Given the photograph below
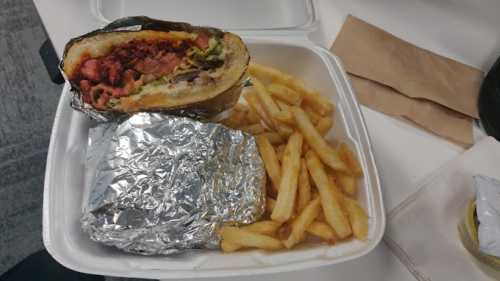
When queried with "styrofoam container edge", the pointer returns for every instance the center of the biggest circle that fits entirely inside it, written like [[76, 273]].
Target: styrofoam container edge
[[64, 185]]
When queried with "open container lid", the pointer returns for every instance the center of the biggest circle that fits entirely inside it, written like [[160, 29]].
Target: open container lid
[[240, 16]]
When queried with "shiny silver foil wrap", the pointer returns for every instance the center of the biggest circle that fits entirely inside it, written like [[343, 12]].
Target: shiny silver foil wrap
[[161, 184], [94, 114], [113, 116]]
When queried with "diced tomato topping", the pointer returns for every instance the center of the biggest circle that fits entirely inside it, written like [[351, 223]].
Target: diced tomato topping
[[168, 62], [85, 86], [112, 69], [110, 91], [90, 70], [86, 98], [147, 65], [118, 92], [130, 75], [201, 41], [103, 100]]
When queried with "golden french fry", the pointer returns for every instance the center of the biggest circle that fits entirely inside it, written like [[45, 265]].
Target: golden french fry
[[350, 159], [314, 194], [313, 116], [270, 203], [333, 144], [322, 230], [301, 223], [336, 191], [328, 155], [324, 125], [284, 130], [313, 99], [330, 201], [263, 227], [357, 217], [248, 239], [283, 105], [273, 137], [270, 159], [228, 247], [240, 107], [305, 148], [284, 231], [252, 100], [279, 152], [284, 93], [321, 217], [267, 72], [286, 117], [298, 86], [265, 99], [236, 119], [304, 192], [348, 183], [253, 129], [320, 104], [252, 116], [275, 75], [270, 190], [289, 179]]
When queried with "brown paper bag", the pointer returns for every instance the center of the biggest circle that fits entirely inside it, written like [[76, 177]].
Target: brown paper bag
[[440, 120], [372, 53]]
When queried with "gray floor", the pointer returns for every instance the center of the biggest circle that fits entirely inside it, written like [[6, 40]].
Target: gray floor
[[28, 101]]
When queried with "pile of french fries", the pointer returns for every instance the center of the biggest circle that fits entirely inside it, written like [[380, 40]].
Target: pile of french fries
[[312, 182]]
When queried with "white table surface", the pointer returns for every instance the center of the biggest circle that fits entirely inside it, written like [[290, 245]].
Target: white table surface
[[466, 30]]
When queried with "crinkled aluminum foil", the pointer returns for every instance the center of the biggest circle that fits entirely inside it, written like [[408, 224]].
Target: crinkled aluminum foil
[[163, 184], [113, 116], [95, 114]]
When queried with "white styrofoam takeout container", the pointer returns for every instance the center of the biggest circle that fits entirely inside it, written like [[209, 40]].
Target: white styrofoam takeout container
[[284, 45]]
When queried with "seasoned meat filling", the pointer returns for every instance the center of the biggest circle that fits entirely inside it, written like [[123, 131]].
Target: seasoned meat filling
[[129, 66]]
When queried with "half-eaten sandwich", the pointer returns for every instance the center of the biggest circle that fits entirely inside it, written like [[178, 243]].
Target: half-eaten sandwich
[[163, 66]]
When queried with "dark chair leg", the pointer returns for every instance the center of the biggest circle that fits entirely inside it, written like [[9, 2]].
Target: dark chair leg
[[51, 61]]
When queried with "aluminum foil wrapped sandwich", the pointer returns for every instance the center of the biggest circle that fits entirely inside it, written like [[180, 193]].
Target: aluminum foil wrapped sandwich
[[162, 184], [140, 64]]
